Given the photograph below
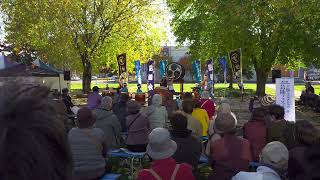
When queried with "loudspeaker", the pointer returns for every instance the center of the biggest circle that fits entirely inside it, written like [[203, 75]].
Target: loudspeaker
[[275, 74], [66, 75]]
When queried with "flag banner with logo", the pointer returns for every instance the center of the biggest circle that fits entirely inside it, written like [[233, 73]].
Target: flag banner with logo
[[196, 66], [138, 71], [223, 64], [210, 69], [122, 66], [163, 65], [144, 69], [235, 58], [150, 75]]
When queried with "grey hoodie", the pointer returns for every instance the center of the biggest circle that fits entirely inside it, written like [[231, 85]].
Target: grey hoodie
[[156, 113]]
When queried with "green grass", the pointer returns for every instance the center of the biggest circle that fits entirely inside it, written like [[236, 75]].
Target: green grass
[[219, 88], [301, 88]]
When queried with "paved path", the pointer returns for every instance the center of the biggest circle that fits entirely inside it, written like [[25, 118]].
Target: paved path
[[296, 93]]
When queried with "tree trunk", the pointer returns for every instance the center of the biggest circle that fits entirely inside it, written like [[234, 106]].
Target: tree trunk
[[86, 78], [262, 77]]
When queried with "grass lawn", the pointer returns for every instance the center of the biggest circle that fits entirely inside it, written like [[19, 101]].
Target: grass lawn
[[220, 88], [301, 88]]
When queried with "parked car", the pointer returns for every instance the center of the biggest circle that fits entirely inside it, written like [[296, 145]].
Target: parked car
[[75, 78], [94, 78]]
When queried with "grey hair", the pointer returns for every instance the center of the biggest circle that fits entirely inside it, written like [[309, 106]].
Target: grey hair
[[205, 95], [106, 102]]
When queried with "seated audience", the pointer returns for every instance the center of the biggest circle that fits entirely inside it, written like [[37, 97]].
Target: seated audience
[[189, 147], [94, 98], [307, 95], [256, 132], [120, 109], [138, 128], [160, 149], [33, 141], [156, 113], [108, 122], [274, 161], [280, 129], [67, 100], [230, 154], [207, 104], [312, 158], [88, 147], [193, 124], [202, 116], [305, 135]]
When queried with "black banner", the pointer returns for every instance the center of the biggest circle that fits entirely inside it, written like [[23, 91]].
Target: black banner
[[235, 57], [122, 65]]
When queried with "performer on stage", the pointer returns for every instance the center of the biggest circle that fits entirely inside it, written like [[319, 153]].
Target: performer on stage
[[124, 88], [139, 88], [206, 87]]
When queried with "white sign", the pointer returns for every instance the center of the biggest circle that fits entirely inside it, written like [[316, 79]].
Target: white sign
[[285, 97]]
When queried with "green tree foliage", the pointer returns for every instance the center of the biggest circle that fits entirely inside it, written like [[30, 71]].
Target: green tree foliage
[[84, 33], [268, 31]]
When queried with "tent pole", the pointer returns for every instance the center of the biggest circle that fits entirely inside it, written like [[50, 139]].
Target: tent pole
[[60, 84]]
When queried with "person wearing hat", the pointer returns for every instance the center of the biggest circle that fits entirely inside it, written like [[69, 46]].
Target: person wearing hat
[[229, 154], [207, 104], [161, 148], [120, 110], [189, 147], [88, 147], [273, 163], [108, 122], [138, 128], [94, 98], [255, 130], [263, 102], [280, 129]]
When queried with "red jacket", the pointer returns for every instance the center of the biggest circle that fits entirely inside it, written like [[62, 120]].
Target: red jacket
[[256, 133], [228, 156], [164, 168], [209, 106]]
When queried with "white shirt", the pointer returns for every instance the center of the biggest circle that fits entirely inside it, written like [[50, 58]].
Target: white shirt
[[263, 173]]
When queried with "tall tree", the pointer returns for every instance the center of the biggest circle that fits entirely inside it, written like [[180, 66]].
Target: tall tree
[[268, 31], [80, 29]]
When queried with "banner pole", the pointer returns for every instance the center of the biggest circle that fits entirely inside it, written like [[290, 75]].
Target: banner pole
[[241, 77]]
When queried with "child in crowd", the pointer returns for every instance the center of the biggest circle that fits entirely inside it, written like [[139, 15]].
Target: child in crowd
[[306, 135], [230, 154], [161, 148], [138, 128], [88, 147], [33, 139], [256, 132], [193, 124], [156, 113], [189, 147]]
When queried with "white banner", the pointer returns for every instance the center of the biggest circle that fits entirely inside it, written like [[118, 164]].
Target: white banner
[[285, 97]]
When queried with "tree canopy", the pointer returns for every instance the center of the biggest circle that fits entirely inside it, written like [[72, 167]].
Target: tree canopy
[[85, 33], [268, 31]]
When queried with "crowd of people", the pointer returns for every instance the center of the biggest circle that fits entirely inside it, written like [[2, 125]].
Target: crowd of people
[[36, 144]]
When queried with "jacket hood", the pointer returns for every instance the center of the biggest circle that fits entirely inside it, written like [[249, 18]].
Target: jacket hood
[[157, 100]]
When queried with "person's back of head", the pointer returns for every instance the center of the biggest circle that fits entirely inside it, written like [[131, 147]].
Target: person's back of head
[[133, 107], [306, 134], [65, 91], [276, 111], [225, 124], [187, 95], [33, 143], [124, 98], [205, 95], [179, 121], [224, 108], [187, 106], [196, 103], [85, 118], [106, 103], [95, 89], [258, 114], [157, 100]]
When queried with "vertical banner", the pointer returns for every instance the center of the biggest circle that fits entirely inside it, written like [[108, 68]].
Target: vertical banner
[[285, 97], [235, 58], [210, 69], [144, 69], [122, 65], [138, 71], [223, 64], [196, 66], [150, 75], [163, 65]]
